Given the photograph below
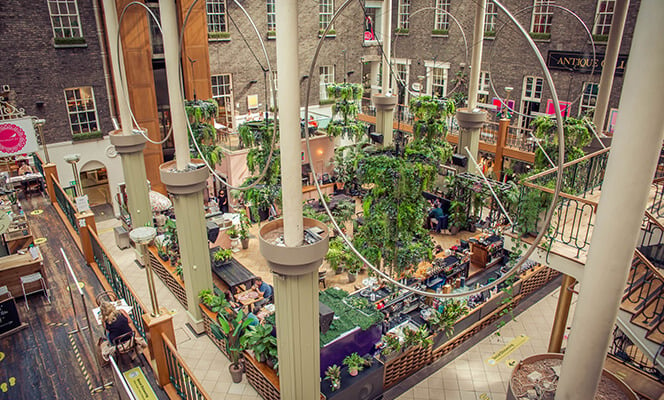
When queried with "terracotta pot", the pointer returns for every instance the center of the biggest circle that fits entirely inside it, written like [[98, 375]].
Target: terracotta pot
[[353, 372], [236, 373], [245, 243]]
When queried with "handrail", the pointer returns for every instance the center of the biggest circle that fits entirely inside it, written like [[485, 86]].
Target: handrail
[[654, 221], [65, 204], [567, 164], [118, 282], [183, 379], [562, 194], [648, 264]]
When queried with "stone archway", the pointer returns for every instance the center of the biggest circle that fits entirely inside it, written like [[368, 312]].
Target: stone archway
[[94, 181]]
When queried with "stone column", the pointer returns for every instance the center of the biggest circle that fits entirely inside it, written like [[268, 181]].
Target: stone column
[[625, 190], [471, 119], [385, 116], [187, 188], [130, 147], [385, 101], [610, 60]]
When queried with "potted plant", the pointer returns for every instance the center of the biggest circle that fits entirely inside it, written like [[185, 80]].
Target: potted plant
[[419, 337], [355, 363], [333, 374], [222, 256], [213, 302], [392, 345], [444, 321], [458, 218], [230, 330], [259, 339], [353, 265], [335, 255], [243, 229]]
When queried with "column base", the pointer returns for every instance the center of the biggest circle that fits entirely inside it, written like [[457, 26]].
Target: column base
[[196, 324]]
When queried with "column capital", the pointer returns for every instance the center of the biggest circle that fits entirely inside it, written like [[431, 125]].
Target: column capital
[[292, 261], [384, 102], [470, 119], [186, 181], [125, 144]]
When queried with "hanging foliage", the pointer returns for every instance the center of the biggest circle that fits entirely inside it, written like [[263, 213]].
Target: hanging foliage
[[428, 112], [201, 114], [345, 110]]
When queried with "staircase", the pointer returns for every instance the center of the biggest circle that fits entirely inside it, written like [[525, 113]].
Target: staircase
[[640, 317]]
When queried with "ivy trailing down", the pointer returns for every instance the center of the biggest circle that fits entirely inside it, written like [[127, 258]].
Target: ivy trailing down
[[346, 97], [201, 113]]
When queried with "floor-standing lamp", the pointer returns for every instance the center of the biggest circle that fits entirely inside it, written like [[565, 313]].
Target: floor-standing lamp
[[142, 236], [73, 159]]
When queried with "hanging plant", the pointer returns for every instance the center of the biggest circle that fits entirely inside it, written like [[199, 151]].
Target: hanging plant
[[201, 114], [345, 110]]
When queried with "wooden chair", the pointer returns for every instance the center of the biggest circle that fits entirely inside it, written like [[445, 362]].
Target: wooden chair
[[105, 296], [321, 278], [125, 345]]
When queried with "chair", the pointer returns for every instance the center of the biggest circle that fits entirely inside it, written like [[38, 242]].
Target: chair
[[321, 278], [5, 292], [108, 296], [32, 278], [125, 344]]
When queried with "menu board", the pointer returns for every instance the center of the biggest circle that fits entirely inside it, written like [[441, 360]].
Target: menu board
[[9, 318]]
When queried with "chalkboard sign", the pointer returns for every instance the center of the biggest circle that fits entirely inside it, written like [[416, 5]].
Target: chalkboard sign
[[9, 318]]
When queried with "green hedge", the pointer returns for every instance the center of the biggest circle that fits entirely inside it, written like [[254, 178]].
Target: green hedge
[[219, 35], [351, 313], [440, 32], [87, 136], [540, 36], [66, 41]]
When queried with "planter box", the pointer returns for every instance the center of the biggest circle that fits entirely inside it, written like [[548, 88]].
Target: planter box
[[167, 274], [405, 365]]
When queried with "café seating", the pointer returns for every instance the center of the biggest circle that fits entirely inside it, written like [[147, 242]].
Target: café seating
[[5, 292], [32, 278], [125, 344], [106, 296], [321, 278]]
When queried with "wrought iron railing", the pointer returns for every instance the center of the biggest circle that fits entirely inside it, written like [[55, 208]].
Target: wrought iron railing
[[39, 164], [118, 282], [65, 205], [183, 380], [520, 139], [656, 206], [623, 349], [644, 288]]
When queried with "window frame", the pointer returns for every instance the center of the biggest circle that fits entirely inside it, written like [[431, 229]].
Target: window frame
[[586, 98], [484, 87], [602, 28], [271, 12], [403, 19], [397, 63], [60, 16], [431, 67], [85, 111], [325, 12], [441, 20], [542, 17], [490, 17], [323, 81], [221, 24]]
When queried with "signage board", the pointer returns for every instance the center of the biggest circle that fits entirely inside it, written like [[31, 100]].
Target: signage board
[[9, 318], [576, 61], [17, 136]]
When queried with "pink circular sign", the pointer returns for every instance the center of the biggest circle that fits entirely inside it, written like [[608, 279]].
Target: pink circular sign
[[12, 138]]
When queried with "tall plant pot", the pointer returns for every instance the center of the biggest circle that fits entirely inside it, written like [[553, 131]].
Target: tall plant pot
[[245, 243], [351, 277], [236, 372]]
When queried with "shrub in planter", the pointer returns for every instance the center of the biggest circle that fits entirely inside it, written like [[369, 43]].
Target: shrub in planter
[[355, 363], [213, 302], [222, 256], [458, 217], [444, 321], [231, 328], [259, 339], [333, 374]]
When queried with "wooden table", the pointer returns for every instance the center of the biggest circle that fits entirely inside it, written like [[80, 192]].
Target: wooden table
[[247, 299], [119, 304], [234, 274], [13, 267]]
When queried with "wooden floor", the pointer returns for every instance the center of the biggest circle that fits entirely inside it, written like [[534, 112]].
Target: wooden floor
[[45, 361]]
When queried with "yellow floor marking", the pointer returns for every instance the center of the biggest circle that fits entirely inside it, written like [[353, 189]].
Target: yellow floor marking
[[36, 212], [139, 384], [2, 356], [40, 240], [507, 350], [484, 396], [511, 363]]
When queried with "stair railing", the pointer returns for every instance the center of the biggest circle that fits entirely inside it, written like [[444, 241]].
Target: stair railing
[[646, 287]]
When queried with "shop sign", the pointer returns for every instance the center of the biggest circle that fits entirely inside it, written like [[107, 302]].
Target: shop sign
[[584, 63], [17, 136]]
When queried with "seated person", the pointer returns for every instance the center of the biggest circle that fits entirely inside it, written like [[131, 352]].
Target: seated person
[[25, 168], [437, 217], [116, 324], [265, 290]]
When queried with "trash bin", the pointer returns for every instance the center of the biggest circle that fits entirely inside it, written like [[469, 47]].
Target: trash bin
[[121, 237]]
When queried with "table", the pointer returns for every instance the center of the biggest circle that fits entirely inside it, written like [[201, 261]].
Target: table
[[13, 267], [249, 297], [20, 179], [120, 304], [234, 274]]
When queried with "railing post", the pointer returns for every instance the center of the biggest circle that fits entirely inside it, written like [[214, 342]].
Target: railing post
[[86, 223], [51, 169], [154, 328], [503, 126]]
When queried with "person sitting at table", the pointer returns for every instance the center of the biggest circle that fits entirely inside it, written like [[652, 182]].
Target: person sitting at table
[[265, 290], [436, 217], [25, 168], [116, 324]]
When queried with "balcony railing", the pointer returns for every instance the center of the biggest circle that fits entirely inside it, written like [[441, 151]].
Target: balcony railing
[[66, 205], [118, 282], [183, 380]]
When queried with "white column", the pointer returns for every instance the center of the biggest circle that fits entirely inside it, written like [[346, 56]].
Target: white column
[[117, 64], [169, 24], [387, 44], [610, 60], [631, 165], [476, 59]]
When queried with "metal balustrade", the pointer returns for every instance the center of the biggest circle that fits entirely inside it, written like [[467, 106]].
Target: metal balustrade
[[39, 164], [118, 282], [183, 380], [644, 290], [65, 205], [624, 349]]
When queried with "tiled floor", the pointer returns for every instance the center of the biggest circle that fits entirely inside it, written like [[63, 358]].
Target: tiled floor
[[467, 377]]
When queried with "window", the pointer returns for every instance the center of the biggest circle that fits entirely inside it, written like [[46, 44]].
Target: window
[[156, 39], [325, 13], [372, 22], [216, 16], [442, 19], [484, 87], [436, 78], [64, 19], [326, 73], [603, 17], [82, 109], [401, 70], [273, 96], [404, 15], [222, 91], [588, 98], [271, 16], [531, 97], [490, 18], [542, 13]]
